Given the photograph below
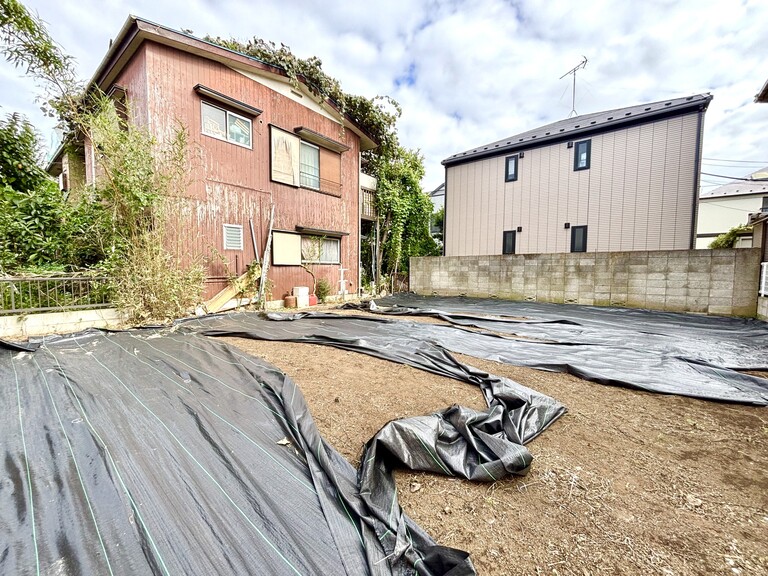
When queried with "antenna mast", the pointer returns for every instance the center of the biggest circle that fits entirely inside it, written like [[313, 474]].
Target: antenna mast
[[582, 64]]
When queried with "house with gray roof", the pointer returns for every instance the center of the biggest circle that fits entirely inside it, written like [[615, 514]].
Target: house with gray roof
[[731, 205], [617, 180]]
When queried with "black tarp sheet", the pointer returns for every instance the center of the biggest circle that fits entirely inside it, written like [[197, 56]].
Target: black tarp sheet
[[165, 452], [684, 354]]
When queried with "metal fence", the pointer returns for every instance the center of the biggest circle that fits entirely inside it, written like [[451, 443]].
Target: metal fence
[[763, 290], [20, 294]]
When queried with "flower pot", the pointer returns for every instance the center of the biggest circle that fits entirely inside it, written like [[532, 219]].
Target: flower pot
[[289, 301]]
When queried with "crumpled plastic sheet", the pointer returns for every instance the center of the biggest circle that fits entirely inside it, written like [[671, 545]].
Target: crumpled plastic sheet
[[684, 354], [165, 452]]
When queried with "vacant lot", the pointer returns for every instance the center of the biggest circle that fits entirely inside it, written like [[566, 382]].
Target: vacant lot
[[626, 482]]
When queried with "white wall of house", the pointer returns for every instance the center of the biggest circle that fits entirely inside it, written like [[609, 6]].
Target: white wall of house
[[639, 193], [720, 214]]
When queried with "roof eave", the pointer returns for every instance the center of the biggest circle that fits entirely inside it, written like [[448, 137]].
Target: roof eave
[[700, 106], [136, 30], [762, 96]]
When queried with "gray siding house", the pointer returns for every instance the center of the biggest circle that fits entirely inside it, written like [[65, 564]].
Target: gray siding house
[[619, 180]]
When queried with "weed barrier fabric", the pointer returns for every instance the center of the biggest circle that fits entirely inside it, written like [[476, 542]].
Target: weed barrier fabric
[[19, 346], [672, 353], [165, 452]]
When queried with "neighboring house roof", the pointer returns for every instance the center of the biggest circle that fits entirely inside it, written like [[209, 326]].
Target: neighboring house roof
[[753, 183], [136, 30], [582, 126], [439, 191], [762, 96]]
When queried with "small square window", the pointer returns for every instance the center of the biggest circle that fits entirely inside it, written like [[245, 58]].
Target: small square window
[[578, 238], [510, 173], [225, 125], [233, 237], [238, 129], [509, 242], [581, 155]]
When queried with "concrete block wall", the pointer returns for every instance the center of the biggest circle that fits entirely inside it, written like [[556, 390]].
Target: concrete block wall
[[22, 326], [762, 308], [708, 281]]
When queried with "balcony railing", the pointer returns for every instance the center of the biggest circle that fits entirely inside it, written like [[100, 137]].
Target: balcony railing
[[368, 204], [314, 182], [23, 294]]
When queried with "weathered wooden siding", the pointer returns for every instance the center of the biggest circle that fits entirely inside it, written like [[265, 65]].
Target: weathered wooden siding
[[638, 194], [231, 184]]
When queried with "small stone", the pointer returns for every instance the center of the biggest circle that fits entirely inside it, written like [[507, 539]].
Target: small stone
[[693, 501], [415, 486], [336, 400]]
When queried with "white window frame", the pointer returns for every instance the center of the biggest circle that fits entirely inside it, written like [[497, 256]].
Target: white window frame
[[319, 176], [237, 227], [322, 239], [227, 114]]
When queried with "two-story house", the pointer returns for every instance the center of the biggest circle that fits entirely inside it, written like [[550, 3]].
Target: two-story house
[[258, 141], [618, 180]]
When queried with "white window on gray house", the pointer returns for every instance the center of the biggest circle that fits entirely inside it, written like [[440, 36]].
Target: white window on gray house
[[581, 155], [320, 250], [578, 238], [233, 237], [511, 169], [309, 166], [508, 242], [225, 125]]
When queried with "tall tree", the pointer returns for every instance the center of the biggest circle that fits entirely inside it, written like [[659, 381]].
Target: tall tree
[[25, 42]]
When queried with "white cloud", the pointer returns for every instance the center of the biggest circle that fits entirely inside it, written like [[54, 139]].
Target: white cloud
[[481, 70]]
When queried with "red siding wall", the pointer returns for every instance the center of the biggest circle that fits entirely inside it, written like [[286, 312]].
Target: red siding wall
[[230, 183]]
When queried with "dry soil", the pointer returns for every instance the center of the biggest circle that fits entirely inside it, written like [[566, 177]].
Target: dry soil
[[626, 482]]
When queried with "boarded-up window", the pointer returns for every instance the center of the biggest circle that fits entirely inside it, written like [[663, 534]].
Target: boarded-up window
[[233, 237], [286, 249], [285, 156], [330, 171]]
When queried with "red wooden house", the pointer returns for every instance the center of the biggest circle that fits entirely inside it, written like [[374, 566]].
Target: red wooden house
[[258, 140]]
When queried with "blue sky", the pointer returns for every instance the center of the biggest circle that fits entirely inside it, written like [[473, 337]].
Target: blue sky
[[468, 72]]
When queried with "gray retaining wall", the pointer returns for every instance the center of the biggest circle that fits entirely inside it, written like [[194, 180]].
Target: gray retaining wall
[[762, 308], [709, 281]]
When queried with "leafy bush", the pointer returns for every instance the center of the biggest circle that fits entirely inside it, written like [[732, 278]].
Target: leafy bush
[[323, 289], [728, 239], [38, 226], [150, 285]]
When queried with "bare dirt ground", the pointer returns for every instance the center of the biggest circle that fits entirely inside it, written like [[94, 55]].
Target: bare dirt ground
[[626, 482]]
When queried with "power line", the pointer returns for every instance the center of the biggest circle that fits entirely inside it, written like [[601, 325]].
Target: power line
[[732, 178], [739, 161], [729, 165], [745, 210]]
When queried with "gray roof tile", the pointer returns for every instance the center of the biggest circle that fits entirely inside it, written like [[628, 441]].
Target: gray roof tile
[[572, 127], [740, 187]]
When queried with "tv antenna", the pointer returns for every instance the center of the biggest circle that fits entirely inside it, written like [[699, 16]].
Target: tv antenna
[[582, 64]]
